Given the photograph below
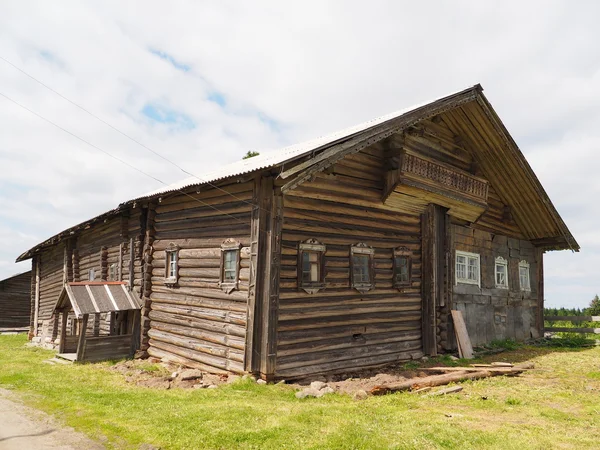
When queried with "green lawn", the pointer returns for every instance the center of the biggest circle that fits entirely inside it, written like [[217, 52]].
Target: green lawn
[[555, 407]]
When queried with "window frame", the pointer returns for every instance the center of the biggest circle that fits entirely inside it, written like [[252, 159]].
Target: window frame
[[230, 245], [311, 246], [467, 255], [112, 272], [500, 261], [362, 249], [398, 253], [170, 251], [525, 265]]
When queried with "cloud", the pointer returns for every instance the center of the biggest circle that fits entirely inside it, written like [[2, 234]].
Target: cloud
[[260, 75]]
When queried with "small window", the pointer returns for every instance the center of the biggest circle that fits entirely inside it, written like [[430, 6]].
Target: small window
[[112, 272], [524, 279], [467, 268], [230, 265], [171, 264], [361, 265], [402, 267], [501, 273], [92, 275], [311, 270]]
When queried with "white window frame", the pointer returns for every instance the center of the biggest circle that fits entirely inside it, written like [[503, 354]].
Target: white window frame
[[171, 265], [525, 265], [466, 280], [500, 261]]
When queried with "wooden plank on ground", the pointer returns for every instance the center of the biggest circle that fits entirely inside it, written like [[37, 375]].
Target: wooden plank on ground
[[462, 336]]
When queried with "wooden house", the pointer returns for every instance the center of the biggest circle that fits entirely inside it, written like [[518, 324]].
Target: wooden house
[[345, 252], [15, 307]]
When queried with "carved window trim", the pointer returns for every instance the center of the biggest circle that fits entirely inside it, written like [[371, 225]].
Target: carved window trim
[[362, 250], [230, 246], [402, 253], [524, 276], [311, 246], [502, 263], [171, 265], [462, 277]]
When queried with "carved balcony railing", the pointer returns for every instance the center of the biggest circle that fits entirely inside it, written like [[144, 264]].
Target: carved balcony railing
[[447, 178], [421, 181]]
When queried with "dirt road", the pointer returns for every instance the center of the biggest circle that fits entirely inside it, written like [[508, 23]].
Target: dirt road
[[24, 428]]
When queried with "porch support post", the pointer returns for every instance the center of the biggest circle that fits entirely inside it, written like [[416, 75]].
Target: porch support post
[[82, 331]]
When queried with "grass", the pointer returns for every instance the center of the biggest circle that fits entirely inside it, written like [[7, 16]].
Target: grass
[[554, 407]]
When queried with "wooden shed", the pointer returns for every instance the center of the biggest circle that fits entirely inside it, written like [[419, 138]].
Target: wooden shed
[[344, 252], [80, 340], [15, 302]]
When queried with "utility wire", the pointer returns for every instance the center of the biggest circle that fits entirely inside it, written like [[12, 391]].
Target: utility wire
[[115, 157], [137, 142], [122, 161]]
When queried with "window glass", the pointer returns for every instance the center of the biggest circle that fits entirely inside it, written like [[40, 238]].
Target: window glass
[[310, 266], [402, 268], [524, 276], [230, 259], [360, 269], [467, 268], [172, 264], [91, 275]]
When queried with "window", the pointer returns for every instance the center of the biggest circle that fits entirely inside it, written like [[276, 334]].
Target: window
[[171, 264], [311, 267], [467, 268], [402, 267], [524, 280], [501, 273], [361, 267], [230, 265], [92, 275], [112, 272]]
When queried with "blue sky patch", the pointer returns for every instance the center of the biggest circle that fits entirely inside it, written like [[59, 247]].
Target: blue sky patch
[[218, 98], [168, 116], [165, 56]]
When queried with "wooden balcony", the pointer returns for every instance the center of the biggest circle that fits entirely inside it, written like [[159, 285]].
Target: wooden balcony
[[422, 181]]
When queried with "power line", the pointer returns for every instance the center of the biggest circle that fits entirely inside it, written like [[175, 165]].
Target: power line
[[136, 141], [115, 157], [122, 161]]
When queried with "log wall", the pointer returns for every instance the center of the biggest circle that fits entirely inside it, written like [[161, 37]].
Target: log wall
[[491, 313], [15, 301], [194, 322], [118, 241], [340, 329]]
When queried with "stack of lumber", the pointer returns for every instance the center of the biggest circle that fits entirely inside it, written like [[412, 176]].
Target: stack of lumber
[[455, 375]]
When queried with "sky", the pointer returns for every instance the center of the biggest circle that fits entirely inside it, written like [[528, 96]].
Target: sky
[[204, 82]]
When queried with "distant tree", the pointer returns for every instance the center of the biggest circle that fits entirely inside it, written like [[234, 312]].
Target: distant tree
[[251, 154], [594, 309]]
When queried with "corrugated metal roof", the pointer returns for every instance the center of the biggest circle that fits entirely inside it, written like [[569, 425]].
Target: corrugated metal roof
[[96, 297], [274, 158]]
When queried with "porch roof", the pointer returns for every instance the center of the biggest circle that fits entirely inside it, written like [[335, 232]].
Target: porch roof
[[93, 297]]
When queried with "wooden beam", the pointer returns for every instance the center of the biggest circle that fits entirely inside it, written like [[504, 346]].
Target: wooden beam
[[433, 232], [81, 341], [63, 330]]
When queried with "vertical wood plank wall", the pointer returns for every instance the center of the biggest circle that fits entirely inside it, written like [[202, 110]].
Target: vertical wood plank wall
[[15, 301], [339, 328], [195, 322]]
